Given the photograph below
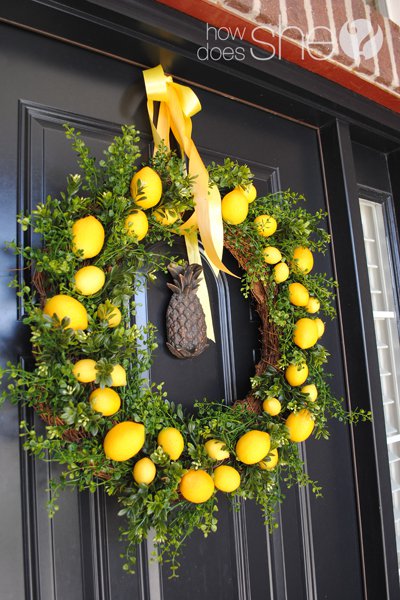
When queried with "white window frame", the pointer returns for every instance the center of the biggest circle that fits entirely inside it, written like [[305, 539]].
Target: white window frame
[[381, 253], [390, 8]]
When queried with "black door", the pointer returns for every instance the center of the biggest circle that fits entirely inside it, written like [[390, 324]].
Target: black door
[[315, 553]]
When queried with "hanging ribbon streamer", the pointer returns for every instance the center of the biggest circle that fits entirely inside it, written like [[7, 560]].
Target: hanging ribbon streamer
[[178, 103]]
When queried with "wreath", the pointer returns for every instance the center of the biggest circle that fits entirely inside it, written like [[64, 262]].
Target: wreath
[[105, 423]]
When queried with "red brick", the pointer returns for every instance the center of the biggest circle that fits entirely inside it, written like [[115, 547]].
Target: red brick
[[385, 66], [340, 16], [243, 6], [396, 45], [359, 11], [320, 14], [322, 28], [269, 13], [219, 15], [366, 66], [297, 25]]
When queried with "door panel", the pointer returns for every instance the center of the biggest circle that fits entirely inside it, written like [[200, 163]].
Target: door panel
[[77, 554]]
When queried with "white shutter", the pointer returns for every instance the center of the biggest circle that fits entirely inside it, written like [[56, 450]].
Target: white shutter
[[381, 279]]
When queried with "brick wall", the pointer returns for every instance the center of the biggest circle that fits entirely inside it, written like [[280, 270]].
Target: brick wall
[[307, 32]]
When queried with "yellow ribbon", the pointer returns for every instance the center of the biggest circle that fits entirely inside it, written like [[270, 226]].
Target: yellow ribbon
[[178, 104]]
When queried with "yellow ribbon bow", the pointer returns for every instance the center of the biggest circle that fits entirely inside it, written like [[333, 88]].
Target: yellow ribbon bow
[[178, 103]]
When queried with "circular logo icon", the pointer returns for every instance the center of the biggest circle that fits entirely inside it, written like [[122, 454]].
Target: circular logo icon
[[358, 39]]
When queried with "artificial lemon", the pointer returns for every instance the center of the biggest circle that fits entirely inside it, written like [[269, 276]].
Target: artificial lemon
[[272, 255], [313, 305], [105, 401], [171, 441], [270, 464], [124, 440], [196, 486], [63, 307], [146, 188], [249, 192], [272, 406], [216, 450], [166, 216], [298, 294], [226, 479], [266, 225], [303, 259], [85, 370], [281, 272], [300, 425], [253, 446], [311, 391], [110, 313], [320, 327], [118, 376], [87, 237], [305, 333], [296, 374], [137, 224], [89, 280], [144, 471], [234, 207]]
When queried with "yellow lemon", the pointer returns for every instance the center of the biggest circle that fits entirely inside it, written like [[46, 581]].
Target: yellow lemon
[[105, 401], [312, 305], [305, 333], [196, 486], [124, 440], [115, 317], [88, 236], [320, 327], [85, 370], [311, 391], [272, 406], [249, 192], [266, 225], [272, 255], [171, 441], [303, 259], [234, 207], [296, 374], [166, 216], [298, 294], [64, 306], [253, 446], [146, 188], [226, 479], [215, 450], [89, 280], [300, 425], [118, 376], [268, 465], [137, 224], [281, 272], [144, 471], [109, 313]]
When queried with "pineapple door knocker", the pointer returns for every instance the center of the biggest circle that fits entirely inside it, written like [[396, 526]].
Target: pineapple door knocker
[[186, 323]]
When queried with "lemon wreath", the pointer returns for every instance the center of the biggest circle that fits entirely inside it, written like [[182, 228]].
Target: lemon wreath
[[104, 422]]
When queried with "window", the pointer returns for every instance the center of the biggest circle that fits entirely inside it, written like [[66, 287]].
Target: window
[[380, 258], [388, 8]]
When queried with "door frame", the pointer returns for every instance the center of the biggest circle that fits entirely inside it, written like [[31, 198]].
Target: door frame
[[340, 118]]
